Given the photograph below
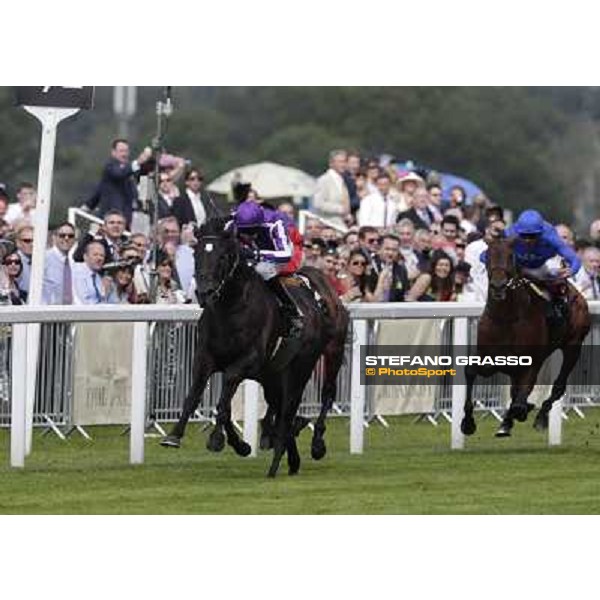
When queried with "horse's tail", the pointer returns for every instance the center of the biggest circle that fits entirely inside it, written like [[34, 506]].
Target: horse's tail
[[337, 319]]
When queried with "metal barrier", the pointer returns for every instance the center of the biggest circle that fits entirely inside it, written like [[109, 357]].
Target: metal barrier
[[54, 391], [170, 356]]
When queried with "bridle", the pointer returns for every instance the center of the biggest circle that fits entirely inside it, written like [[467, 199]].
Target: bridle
[[513, 282], [217, 293]]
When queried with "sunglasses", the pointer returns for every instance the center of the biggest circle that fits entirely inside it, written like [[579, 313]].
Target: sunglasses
[[195, 178], [359, 263], [66, 236], [372, 241], [13, 262], [27, 240]]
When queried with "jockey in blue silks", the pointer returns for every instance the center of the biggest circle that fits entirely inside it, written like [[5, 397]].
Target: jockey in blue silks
[[266, 239], [536, 242]]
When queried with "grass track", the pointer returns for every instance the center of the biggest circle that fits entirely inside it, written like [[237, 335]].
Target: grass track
[[407, 469]]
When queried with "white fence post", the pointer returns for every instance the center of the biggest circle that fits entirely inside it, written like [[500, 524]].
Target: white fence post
[[555, 424], [138, 392], [460, 337], [251, 415], [357, 391], [18, 396]]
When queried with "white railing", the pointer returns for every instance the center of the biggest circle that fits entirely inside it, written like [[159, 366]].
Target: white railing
[[362, 315]]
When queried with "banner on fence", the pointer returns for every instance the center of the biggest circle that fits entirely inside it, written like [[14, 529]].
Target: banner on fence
[[102, 374]]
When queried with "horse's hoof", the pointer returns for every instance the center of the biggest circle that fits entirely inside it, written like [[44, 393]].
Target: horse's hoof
[[300, 423], [272, 474], [266, 442], [318, 449], [242, 448], [170, 441], [541, 422], [503, 432], [293, 472], [216, 441], [468, 426], [520, 412]]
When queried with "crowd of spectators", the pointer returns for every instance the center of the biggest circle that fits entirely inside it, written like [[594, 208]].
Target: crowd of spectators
[[382, 235], [404, 240]]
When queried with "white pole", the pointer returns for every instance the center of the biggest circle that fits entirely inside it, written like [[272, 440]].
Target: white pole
[[251, 415], [49, 118], [138, 392], [459, 392], [357, 391], [555, 424], [18, 376]]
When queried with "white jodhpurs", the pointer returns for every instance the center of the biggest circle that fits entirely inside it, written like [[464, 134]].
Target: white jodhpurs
[[267, 270]]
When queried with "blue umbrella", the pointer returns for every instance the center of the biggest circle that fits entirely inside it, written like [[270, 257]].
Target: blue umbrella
[[449, 181]]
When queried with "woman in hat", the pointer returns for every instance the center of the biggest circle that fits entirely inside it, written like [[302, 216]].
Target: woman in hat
[[407, 186]]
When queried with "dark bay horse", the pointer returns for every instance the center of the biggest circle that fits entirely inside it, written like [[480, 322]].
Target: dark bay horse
[[239, 335], [514, 322]]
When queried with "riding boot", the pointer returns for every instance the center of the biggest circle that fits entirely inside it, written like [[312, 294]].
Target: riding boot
[[293, 316], [557, 314]]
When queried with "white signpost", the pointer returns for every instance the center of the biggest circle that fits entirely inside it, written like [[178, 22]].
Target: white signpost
[[50, 105]]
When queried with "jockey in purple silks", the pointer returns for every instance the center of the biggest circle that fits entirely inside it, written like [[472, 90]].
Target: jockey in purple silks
[[264, 232]]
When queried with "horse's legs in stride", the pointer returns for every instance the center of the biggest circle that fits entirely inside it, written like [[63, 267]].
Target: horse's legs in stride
[[216, 440], [468, 425], [203, 369], [570, 358], [332, 361], [283, 424], [519, 408]]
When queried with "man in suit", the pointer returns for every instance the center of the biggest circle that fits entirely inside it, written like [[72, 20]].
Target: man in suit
[[389, 259], [57, 286], [190, 207], [117, 188], [420, 213], [111, 236], [331, 200]]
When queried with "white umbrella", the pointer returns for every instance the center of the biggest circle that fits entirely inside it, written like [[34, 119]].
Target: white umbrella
[[269, 179]]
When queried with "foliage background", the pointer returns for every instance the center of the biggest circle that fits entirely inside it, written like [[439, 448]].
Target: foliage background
[[526, 146]]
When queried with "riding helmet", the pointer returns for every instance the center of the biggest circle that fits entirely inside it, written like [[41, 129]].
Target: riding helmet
[[529, 223]]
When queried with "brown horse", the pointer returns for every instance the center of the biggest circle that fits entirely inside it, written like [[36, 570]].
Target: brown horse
[[515, 322]]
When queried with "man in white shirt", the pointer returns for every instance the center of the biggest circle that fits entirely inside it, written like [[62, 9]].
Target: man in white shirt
[[88, 287], [57, 287], [378, 209], [24, 209], [332, 200], [587, 279]]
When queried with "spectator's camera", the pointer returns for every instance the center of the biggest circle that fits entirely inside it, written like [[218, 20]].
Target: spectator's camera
[[113, 267]]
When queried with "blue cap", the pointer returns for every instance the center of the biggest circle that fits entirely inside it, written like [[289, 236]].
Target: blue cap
[[530, 222]]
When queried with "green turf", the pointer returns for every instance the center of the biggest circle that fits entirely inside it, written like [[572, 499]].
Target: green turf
[[406, 469]]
